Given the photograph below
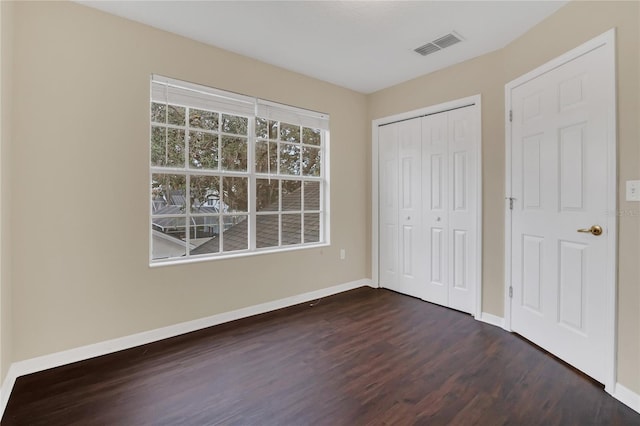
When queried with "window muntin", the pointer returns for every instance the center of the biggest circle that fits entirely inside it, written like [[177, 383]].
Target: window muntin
[[224, 182]]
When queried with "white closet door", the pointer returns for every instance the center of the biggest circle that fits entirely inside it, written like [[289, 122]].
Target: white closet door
[[388, 205], [462, 210], [428, 175], [435, 202], [411, 263]]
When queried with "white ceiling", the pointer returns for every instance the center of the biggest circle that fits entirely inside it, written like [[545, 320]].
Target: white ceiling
[[362, 45]]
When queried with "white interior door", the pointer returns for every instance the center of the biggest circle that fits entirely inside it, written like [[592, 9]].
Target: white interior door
[[560, 175]]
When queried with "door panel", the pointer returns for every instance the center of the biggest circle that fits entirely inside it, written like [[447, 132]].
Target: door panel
[[460, 259], [435, 196], [410, 150], [532, 272], [559, 175], [388, 205], [459, 186], [463, 212]]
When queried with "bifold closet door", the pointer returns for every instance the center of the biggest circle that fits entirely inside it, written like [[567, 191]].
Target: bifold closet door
[[449, 210], [435, 205], [388, 205], [463, 210], [427, 172], [401, 243]]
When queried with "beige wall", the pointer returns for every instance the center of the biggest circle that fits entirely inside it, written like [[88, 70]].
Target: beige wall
[[6, 47], [572, 25], [80, 182]]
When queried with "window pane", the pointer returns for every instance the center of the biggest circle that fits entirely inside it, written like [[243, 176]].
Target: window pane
[[168, 193], [175, 115], [310, 161], [205, 194], [311, 227], [235, 194], [235, 235], [203, 150], [311, 136], [168, 237], [289, 132], [266, 160], [163, 113], [312, 195], [158, 146], [273, 130], [289, 159], [158, 113], [234, 153], [167, 147], [234, 124], [267, 195], [291, 229], [205, 234], [262, 128], [267, 230], [201, 119], [291, 195]]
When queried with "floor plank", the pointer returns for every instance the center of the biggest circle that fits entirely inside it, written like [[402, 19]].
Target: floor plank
[[364, 357]]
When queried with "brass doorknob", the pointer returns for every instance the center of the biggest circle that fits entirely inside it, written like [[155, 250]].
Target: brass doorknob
[[595, 230]]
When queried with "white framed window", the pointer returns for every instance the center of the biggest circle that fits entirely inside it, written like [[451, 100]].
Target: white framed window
[[233, 175]]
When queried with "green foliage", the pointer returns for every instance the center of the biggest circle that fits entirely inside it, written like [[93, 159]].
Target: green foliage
[[234, 153], [235, 193], [203, 150], [311, 136], [289, 132], [206, 120], [234, 124], [289, 159], [266, 157], [268, 194], [167, 147]]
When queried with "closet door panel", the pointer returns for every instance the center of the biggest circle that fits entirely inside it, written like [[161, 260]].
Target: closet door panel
[[435, 200], [461, 232], [388, 205], [411, 241]]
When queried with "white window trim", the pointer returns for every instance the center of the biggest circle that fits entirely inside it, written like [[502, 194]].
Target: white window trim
[[262, 109]]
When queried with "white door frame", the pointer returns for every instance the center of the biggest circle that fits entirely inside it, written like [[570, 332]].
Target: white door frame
[[605, 41], [434, 109]]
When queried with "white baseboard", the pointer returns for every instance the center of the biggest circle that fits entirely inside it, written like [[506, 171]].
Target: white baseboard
[[7, 387], [627, 397], [491, 319], [82, 353]]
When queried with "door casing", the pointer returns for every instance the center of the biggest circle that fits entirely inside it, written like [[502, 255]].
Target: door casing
[[605, 41], [434, 109]]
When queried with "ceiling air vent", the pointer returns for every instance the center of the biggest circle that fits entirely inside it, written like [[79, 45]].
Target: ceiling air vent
[[448, 40], [439, 44], [427, 49]]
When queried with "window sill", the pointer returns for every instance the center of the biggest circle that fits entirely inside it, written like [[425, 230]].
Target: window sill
[[233, 255]]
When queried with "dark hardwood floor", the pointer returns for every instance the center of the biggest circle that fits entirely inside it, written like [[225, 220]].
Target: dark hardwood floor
[[364, 357]]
